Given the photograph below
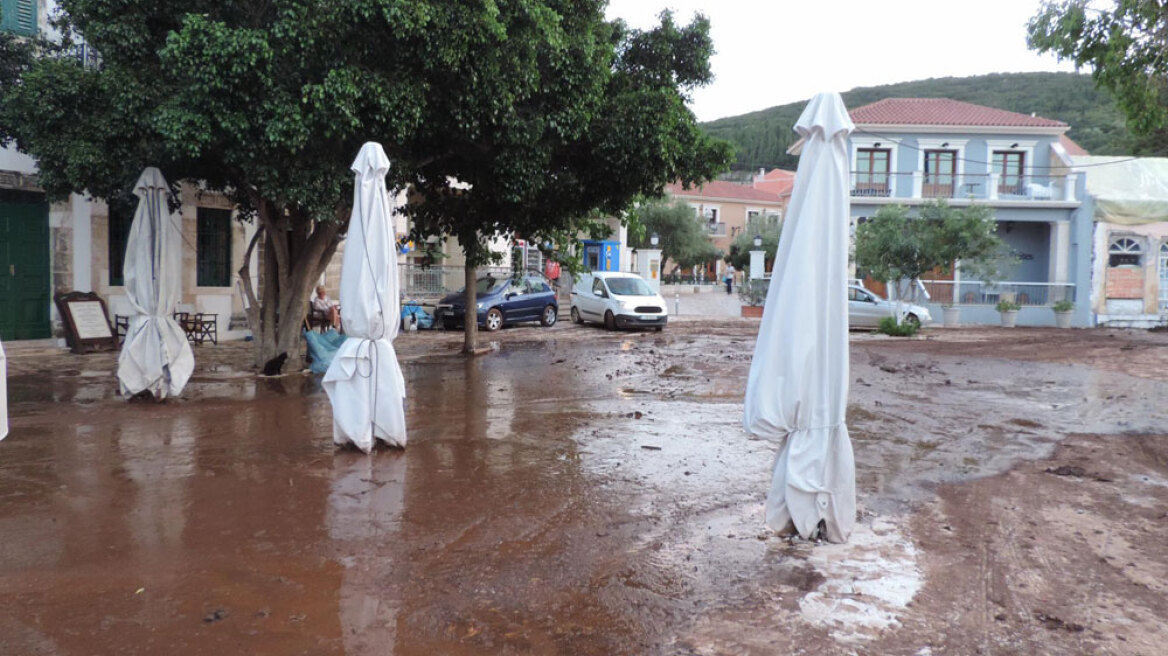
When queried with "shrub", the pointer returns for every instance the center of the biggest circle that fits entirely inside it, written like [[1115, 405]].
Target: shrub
[[753, 291], [1064, 306], [1007, 306], [888, 326]]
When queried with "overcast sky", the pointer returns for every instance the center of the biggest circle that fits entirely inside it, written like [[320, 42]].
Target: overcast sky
[[773, 52]]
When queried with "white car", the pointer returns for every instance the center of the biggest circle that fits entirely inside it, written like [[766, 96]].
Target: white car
[[618, 300], [866, 309]]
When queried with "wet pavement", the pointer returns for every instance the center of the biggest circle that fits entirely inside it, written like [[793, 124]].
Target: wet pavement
[[583, 492]]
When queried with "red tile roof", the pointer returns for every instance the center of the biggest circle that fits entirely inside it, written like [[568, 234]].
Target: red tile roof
[[722, 189], [942, 111], [1073, 149]]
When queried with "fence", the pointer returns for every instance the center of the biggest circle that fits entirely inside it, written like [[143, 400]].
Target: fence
[[421, 281], [976, 292], [977, 186]]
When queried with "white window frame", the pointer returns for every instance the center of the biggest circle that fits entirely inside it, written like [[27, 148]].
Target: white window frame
[[866, 142], [1115, 246], [958, 145], [1024, 147]]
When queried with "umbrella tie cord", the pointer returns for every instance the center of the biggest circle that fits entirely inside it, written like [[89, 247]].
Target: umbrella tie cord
[[371, 344], [834, 426]]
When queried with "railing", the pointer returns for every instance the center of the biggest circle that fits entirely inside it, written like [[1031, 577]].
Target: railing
[[418, 280], [974, 186], [976, 292], [716, 229]]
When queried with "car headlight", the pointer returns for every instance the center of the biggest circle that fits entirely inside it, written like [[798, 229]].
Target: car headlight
[[480, 305]]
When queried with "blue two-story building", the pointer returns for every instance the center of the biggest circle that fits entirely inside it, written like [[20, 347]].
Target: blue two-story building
[[910, 151]]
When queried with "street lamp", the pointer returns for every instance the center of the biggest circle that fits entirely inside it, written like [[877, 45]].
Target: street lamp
[[758, 241], [653, 239]]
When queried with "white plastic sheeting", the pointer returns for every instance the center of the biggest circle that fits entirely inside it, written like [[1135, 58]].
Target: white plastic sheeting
[[155, 355], [364, 381], [3, 394], [1127, 191], [798, 386]]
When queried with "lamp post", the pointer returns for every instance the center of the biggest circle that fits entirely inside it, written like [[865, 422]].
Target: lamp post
[[653, 240], [649, 263], [757, 259]]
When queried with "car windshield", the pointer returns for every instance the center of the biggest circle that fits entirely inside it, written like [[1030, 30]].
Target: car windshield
[[489, 285], [629, 287]]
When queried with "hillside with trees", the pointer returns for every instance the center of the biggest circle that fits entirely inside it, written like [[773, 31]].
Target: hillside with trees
[[762, 138]]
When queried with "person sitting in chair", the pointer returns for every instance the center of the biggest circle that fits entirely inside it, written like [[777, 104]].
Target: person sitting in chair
[[327, 306]]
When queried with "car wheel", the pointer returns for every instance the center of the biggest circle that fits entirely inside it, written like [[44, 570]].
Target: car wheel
[[609, 320], [549, 316], [914, 320], [449, 324], [494, 320], [576, 316], [659, 328]]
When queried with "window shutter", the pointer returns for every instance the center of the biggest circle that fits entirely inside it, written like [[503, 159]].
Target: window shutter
[[19, 17]]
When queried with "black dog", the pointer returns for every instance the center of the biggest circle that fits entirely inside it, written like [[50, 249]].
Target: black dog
[[275, 365]]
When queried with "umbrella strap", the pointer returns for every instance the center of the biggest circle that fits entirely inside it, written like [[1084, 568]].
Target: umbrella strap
[[371, 344]]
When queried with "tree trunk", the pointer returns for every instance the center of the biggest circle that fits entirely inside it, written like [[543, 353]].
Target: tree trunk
[[295, 254], [471, 322]]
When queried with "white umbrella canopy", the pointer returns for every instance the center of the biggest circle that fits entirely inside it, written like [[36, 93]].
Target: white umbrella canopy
[[364, 381], [798, 385], [155, 355]]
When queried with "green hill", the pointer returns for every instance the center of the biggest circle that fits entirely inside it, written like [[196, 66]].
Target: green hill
[[762, 137]]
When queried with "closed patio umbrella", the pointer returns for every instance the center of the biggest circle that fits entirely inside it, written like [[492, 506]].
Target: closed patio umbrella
[[155, 356], [798, 386], [364, 381]]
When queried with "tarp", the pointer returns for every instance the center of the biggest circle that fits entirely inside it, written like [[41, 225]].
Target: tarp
[[798, 386], [323, 348], [1126, 191], [364, 381], [3, 393], [155, 355]]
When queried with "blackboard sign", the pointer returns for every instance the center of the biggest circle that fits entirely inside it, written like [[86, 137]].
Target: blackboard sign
[[87, 326]]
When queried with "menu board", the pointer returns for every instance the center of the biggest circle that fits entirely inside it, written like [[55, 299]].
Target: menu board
[[86, 323], [89, 319]]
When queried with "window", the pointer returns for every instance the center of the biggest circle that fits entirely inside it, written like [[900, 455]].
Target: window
[[121, 217], [19, 17], [213, 248], [1009, 166], [872, 172], [940, 173], [1164, 275], [598, 288], [1124, 252], [711, 215]]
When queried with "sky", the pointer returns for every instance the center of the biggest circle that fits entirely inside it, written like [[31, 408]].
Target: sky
[[774, 52]]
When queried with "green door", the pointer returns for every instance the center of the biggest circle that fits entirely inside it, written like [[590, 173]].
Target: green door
[[24, 270]]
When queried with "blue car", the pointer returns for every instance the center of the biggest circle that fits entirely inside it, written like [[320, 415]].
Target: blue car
[[502, 301]]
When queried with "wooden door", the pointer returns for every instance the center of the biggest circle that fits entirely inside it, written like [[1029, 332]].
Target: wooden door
[[24, 270]]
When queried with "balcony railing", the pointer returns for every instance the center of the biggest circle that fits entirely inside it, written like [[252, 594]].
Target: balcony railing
[[973, 186], [976, 292]]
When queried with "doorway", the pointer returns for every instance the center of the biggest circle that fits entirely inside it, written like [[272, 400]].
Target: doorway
[[24, 269]]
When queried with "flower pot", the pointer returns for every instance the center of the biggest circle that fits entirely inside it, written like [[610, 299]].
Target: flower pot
[[752, 310], [1063, 319], [1008, 318], [952, 316]]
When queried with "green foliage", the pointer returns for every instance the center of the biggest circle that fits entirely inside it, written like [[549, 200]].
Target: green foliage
[[740, 248], [679, 233], [888, 326], [893, 246], [1123, 45], [753, 291], [761, 138], [1063, 306], [1007, 306], [548, 112]]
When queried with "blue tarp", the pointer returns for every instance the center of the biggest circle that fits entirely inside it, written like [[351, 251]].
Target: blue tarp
[[322, 347], [425, 319]]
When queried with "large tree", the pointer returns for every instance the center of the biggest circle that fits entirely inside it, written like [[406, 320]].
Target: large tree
[[1124, 46], [547, 111], [898, 248], [679, 232]]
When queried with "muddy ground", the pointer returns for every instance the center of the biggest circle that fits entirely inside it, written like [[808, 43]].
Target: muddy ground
[[584, 492]]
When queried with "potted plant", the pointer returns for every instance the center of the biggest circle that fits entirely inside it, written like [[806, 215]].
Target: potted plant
[[1009, 312], [951, 314], [753, 293], [1062, 313]]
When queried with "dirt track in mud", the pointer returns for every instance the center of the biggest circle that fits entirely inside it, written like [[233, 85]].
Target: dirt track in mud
[[578, 491]]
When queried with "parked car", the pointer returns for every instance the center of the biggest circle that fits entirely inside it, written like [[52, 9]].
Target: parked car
[[618, 300], [866, 309], [501, 302]]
